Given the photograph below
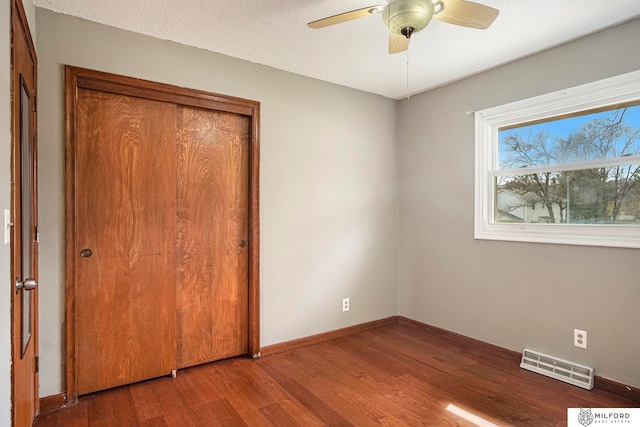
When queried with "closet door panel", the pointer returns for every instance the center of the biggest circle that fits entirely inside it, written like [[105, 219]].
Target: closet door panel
[[125, 239], [212, 235]]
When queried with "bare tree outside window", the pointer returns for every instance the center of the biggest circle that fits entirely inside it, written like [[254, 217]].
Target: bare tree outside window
[[568, 185]]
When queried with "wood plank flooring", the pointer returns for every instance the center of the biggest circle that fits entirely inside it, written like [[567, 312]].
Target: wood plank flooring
[[396, 375]]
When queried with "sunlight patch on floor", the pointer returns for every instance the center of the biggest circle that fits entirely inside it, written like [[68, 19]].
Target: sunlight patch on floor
[[468, 416]]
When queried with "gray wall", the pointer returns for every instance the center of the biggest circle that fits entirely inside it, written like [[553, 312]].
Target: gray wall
[[329, 207], [5, 201], [514, 295]]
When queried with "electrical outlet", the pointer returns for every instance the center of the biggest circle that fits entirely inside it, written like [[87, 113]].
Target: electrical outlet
[[345, 304], [580, 338]]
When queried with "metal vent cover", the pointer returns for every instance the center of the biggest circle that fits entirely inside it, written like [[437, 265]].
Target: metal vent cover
[[559, 369]]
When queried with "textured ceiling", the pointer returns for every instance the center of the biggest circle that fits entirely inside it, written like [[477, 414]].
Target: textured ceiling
[[354, 54]]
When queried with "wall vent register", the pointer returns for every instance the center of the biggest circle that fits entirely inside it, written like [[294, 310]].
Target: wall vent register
[[559, 369]]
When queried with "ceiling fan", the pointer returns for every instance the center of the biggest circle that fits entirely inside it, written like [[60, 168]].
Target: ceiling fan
[[405, 17]]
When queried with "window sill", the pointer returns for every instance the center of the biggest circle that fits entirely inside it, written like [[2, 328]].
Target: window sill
[[619, 236]]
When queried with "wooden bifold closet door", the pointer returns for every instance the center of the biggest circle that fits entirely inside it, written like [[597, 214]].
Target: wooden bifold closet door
[[160, 231]]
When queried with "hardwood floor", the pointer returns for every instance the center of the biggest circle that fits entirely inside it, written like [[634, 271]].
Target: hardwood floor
[[396, 375]]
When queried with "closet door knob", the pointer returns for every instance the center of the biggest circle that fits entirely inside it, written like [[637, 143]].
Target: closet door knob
[[86, 253]]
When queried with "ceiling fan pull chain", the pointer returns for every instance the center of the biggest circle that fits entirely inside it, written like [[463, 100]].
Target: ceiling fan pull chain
[[408, 74]]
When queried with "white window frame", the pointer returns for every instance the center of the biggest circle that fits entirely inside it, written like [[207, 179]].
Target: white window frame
[[611, 91]]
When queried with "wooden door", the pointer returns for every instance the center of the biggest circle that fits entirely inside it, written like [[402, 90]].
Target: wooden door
[[162, 229], [213, 229], [126, 258], [24, 214]]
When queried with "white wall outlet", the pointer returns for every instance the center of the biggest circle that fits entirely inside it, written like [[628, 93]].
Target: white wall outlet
[[580, 338], [345, 304]]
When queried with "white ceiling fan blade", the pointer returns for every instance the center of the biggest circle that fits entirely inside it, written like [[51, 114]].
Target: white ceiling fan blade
[[467, 14], [398, 43], [347, 16]]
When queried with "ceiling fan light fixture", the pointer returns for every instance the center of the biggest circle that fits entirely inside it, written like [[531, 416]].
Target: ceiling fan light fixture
[[407, 16]]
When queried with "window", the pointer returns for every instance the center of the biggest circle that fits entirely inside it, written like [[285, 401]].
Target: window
[[562, 167]]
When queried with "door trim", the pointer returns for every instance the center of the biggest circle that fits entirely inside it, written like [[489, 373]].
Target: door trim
[[81, 78]]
